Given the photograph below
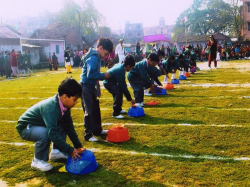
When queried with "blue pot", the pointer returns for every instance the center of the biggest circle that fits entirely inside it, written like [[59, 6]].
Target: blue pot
[[175, 81], [182, 77], [86, 164], [161, 92], [136, 111]]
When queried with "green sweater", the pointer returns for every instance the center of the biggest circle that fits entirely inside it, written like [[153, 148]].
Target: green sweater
[[117, 76], [47, 113], [141, 71]]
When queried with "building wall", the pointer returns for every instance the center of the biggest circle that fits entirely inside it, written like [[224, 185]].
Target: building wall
[[245, 32], [74, 40], [167, 29], [134, 31], [60, 55], [35, 55], [7, 44]]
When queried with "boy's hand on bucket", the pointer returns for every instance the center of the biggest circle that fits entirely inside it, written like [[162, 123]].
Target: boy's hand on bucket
[[75, 155], [81, 149]]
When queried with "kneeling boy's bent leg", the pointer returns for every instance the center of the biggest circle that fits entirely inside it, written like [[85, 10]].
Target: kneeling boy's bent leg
[[117, 96], [137, 86], [39, 135]]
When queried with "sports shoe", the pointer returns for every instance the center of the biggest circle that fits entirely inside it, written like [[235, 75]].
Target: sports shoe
[[55, 155], [104, 132], [216, 68], [41, 165], [209, 68], [123, 112], [118, 117], [142, 104], [147, 94], [93, 139], [137, 104]]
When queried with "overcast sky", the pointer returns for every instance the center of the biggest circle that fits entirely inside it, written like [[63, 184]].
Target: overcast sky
[[116, 12]]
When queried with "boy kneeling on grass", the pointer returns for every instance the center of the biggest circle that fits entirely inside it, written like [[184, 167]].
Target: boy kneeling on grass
[[50, 120]]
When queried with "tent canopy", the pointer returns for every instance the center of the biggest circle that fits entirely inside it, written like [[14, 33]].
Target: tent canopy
[[156, 38]]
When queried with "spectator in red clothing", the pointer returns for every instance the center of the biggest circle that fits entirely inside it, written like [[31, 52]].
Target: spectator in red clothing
[[13, 62]]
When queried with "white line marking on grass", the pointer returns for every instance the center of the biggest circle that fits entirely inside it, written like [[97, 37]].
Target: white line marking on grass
[[209, 157], [136, 124], [180, 124], [207, 85], [206, 157]]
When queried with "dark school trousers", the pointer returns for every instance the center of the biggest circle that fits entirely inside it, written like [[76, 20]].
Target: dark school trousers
[[137, 85], [117, 94], [92, 113], [7, 70], [2, 70]]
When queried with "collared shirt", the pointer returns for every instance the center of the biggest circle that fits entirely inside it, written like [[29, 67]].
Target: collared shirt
[[62, 108]]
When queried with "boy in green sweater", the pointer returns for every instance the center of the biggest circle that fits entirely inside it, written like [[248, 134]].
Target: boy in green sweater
[[50, 120], [116, 85]]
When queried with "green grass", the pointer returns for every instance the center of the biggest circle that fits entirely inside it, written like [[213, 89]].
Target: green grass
[[160, 131]]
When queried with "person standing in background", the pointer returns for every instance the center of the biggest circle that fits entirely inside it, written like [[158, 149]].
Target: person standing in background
[[138, 52], [13, 62], [119, 50]]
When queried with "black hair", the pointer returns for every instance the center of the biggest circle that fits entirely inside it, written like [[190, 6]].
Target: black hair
[[180, 56], [154, 57], [171, 57], [129, 61], [192, 59], [106, 43], [160, 53], [70, 87]]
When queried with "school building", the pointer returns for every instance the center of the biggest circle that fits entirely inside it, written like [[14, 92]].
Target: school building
[[245, 12]]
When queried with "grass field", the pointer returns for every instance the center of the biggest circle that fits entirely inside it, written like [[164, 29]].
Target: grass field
[[199, 134]]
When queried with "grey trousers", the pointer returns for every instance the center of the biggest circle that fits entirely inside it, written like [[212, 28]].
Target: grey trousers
[[39, 135]]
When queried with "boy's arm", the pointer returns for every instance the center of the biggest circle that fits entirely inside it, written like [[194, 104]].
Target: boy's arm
[[50, 121], [70, 130], [92, 67]]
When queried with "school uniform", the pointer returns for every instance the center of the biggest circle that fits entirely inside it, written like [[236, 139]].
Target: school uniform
[[139, 78], [91, 90], [116, 85], [45, 122], [7, 66], [2, 64], [169, 67], [67, 61]]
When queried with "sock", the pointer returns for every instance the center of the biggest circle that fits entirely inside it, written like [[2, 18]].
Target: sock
[[35, 159], [55, 151], [173, 76], [165, 79]]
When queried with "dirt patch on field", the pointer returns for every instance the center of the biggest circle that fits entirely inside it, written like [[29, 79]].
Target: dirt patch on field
[[34, 181]]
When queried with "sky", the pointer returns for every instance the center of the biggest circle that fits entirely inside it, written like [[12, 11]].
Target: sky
[[115, 12]]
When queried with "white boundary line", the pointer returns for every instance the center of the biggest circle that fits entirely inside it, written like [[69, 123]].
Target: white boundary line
[[207, 157], [134, 124]]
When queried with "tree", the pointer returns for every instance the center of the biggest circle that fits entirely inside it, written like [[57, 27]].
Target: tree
[[238, 19], [104, 31], [205, 17], [86, 18]]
